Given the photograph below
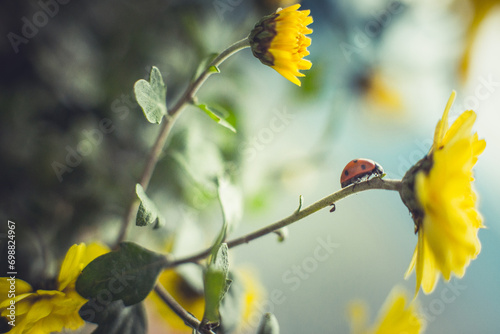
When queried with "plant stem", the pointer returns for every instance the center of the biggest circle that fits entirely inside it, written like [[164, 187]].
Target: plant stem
[[188, 318], [375, 183], [166, 126]]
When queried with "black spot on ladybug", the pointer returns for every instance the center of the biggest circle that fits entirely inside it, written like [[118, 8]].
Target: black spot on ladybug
[[346, 173], [355, 160], [363, 167]]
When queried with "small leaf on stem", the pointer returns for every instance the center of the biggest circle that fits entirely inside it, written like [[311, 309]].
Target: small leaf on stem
[[203, 66], [147, 213], [151, 96], [216, 115]]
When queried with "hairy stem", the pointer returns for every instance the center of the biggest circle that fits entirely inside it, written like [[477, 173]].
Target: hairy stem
[[166, 126], [375, 183]]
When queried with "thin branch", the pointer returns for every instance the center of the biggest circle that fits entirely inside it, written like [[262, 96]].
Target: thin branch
[[166, 126], [375, 183], [188, 318]]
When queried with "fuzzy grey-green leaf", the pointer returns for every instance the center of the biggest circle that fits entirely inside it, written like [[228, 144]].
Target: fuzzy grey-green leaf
[[216, 284], [151, 96], [231, 202], [127, 274], [147, 213]]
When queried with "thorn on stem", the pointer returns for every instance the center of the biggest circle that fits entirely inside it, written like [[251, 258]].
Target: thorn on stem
[[333, 207], [282, 233], [301, 200]]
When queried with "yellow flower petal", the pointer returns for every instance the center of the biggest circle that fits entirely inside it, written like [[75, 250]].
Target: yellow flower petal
[[77, 258], [398, 315], [49, 311], [190, 300], [442, 125]]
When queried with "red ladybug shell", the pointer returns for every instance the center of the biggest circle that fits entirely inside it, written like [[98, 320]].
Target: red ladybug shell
[[358, 169]]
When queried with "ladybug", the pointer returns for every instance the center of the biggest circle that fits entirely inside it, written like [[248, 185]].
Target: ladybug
[[358, 169]]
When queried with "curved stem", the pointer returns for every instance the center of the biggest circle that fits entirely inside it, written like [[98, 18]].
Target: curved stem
[[167, 125], [188, 318], [375, 183]]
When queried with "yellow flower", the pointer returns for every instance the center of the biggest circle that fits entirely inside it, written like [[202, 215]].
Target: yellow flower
[[480, 9], [48, 311], [395, 316], [439, 194], [379, 94], [193, 302], [190, 299], [278, 40]]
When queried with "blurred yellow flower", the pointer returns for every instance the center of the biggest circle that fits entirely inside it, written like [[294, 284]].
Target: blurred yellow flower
[[480, 10], [48, 311], [396, 316], [278, 40], [380, 95], [439, 194], [193, 302]]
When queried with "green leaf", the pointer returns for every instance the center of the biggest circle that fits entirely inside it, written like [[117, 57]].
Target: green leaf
[[128, 273], [147, 213], [216, 115], [231, 205], [115, 317], [151, 96], [231, 308], [216, 284], [231, 202], [268, 324]]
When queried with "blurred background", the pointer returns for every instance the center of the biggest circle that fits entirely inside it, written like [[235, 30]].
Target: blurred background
[[382, 74]]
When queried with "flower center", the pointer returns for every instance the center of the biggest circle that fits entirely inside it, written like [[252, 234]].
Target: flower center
[[408, 194], [261, 37]]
